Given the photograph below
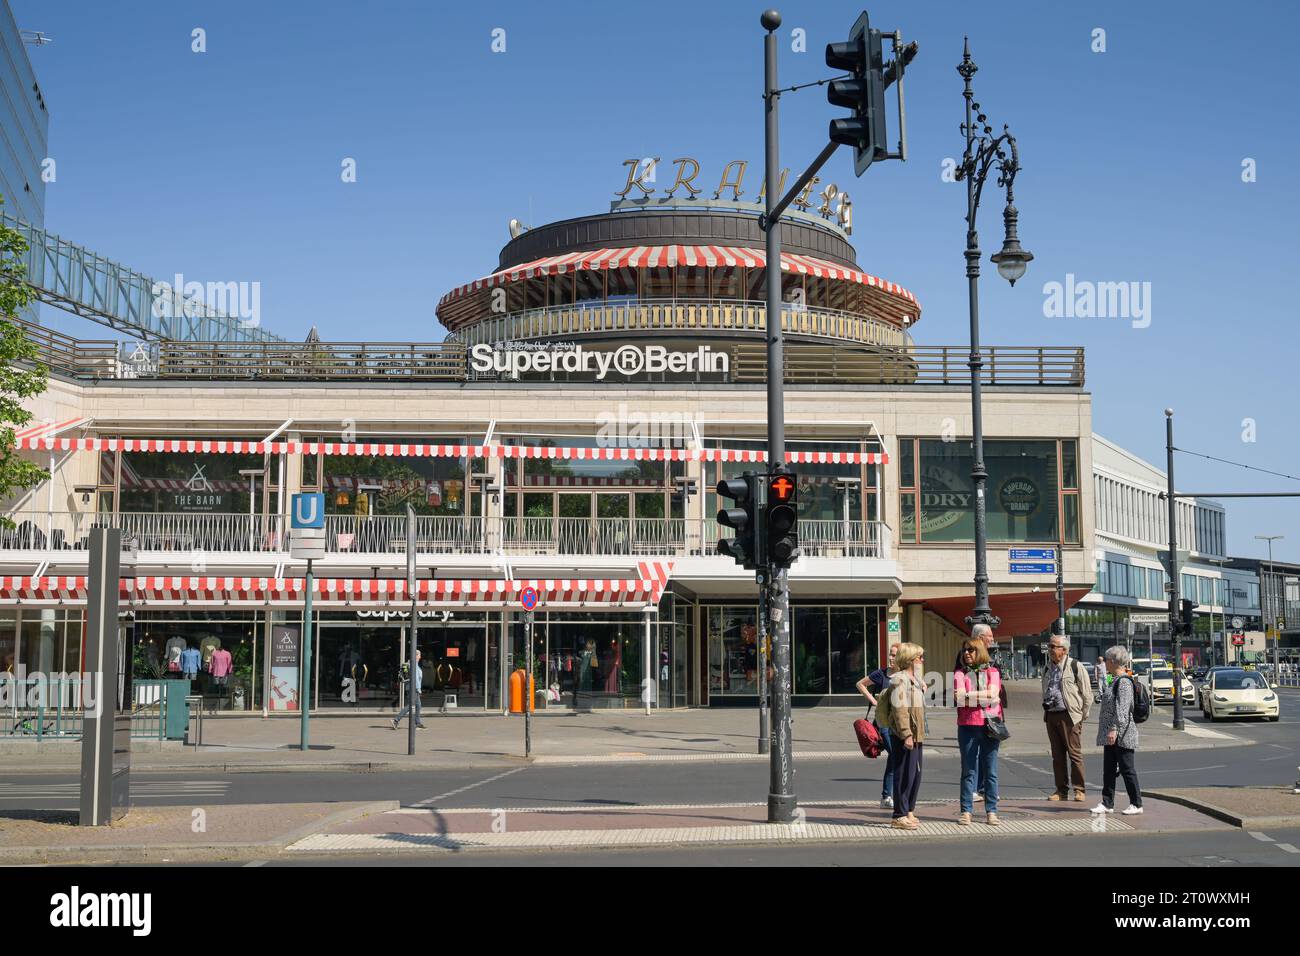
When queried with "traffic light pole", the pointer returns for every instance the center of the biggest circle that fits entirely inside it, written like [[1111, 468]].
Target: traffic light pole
[[1175, 617], [781, 800], [764, 711]]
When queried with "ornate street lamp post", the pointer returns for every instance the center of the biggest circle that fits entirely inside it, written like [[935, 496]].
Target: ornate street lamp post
[[984, 151]]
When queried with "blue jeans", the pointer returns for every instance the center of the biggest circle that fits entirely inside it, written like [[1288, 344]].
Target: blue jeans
[[979, 759], [401, 714], [887, 785]]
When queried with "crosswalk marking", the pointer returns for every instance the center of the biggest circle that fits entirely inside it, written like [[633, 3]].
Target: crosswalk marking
[[139, 788]]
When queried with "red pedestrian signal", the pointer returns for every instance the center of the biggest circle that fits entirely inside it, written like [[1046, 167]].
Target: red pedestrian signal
[[781, 488], [781, 520]]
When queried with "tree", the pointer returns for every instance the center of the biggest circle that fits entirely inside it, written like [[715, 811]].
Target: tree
[[17, 381]]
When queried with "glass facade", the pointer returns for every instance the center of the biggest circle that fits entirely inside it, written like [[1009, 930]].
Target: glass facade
[[1029, 499]]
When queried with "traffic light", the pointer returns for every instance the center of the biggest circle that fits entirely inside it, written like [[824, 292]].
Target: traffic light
[[745, 547], [781, 519], [863, 93], [1186, 607]]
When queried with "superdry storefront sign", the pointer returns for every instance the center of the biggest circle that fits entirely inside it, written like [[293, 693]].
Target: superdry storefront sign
[[577, 361]]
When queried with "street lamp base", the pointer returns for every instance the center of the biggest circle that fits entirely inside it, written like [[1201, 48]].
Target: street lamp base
[[781, 807]]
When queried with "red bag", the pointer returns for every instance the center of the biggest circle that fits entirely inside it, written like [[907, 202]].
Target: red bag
[[869, 739]]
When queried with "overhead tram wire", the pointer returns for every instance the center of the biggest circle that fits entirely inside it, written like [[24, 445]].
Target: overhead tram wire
[[1225, 461]]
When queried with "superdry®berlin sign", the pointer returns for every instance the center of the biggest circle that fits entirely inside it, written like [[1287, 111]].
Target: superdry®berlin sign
[[627, 360]]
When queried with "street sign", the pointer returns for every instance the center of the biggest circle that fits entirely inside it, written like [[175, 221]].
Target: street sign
[[307, 544], [307, 511], [1048, 567], [1238, 640], [528, 598], [1032, 554], [1161, 617], [893, 627]]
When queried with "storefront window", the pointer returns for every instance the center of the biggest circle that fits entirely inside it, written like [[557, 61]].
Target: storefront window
[[1022, 494], [385, 485], [733, 650], [159, 482], [221, 651], [833, 648]]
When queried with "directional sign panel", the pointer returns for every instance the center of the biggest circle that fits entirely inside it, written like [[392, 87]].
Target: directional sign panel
[[1031, 554], [1155, 618], [1048, 567]]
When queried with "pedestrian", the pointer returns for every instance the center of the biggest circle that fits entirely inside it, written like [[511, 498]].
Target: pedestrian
[[871, 687], [415, 698], [976, 686], [1067, 698], [1117, 734], [983, 633], [905, 706]]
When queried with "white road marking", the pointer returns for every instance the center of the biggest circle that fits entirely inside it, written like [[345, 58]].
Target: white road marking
[[451, 793], [1261, 837], [1288, 847], [1217, 766]]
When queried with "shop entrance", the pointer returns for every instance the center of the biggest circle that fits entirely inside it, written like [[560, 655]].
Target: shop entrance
[[367, 654], [453, 657]]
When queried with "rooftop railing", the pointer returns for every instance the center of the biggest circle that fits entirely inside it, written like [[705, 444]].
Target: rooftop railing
[[831, 361]]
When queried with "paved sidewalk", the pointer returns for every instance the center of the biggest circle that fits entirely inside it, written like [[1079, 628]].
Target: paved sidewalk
[[412, 830], [471, 740], [1251, 808], [172, 833]]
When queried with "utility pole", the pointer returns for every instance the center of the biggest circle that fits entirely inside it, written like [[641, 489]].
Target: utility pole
[[1175, 618]]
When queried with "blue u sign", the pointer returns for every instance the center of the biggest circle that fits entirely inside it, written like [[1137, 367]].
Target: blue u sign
[[308, 511]]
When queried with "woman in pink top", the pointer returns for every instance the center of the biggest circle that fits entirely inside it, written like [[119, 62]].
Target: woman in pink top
[[976, 685]]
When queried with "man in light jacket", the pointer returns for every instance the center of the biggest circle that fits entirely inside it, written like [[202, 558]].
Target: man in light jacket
[[1067, 698]]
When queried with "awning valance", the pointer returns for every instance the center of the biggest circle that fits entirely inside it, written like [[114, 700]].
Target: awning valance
[[650, 257]]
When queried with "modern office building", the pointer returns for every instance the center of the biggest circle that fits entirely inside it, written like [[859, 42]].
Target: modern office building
[[568, 433], [24, 132], [1132, 532]]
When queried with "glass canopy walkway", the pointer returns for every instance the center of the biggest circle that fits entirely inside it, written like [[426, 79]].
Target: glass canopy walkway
[[77, 280]]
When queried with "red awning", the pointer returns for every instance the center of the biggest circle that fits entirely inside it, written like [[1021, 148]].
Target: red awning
[[1021, 614], [895, 299]]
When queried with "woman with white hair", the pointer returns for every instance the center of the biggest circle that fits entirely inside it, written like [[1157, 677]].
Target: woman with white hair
[[1117, 733]]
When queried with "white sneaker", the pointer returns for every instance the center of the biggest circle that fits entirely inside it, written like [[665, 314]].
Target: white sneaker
[[886, 803], [979, 796], [1130, 811], [1102, 808]]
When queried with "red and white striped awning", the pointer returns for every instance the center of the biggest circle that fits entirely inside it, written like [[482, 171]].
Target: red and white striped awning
[[333, 593], [650, 257], [49, 429], [388, 449]]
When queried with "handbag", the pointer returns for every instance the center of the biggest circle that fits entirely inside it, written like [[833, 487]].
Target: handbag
[[995, 728]]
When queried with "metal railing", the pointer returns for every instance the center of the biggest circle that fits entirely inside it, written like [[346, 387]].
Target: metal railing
[[435, 534], [145, 531], [693, 316], [865, 354], [47, 707]]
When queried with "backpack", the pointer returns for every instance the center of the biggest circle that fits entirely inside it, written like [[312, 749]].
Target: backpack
[[869, 739], [1141, 700]]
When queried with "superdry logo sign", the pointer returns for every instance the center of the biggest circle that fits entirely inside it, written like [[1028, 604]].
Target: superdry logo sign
[[628, 361]]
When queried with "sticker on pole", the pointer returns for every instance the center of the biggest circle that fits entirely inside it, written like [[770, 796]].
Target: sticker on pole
[[528, 598]]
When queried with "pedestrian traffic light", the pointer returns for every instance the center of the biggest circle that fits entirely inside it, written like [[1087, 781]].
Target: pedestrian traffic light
[[1186, 609], [745, 547], [781, 519]]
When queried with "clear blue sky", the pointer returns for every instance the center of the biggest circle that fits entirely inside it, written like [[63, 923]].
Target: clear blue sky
[[225, 166]]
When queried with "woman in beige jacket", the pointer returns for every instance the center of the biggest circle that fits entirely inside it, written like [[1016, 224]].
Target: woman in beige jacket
[[907, 729]]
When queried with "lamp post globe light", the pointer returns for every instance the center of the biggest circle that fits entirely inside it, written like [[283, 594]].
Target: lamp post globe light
[[985, 152]]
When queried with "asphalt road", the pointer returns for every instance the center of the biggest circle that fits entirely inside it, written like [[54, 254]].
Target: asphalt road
[[1272, 760]]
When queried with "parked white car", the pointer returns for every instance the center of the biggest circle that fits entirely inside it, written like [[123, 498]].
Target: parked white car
[[1237, 692]]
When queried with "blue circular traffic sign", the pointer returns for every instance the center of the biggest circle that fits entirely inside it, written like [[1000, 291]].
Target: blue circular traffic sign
[[528, 598]]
